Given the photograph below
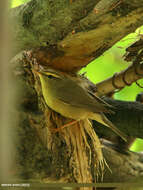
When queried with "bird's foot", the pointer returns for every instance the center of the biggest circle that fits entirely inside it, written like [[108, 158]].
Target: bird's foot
[[55, 130]]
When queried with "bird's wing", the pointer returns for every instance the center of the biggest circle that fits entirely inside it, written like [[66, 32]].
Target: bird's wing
[[113, 127], [101, 101], [76, 96]]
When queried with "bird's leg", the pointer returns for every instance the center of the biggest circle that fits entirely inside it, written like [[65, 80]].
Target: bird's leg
[[64, 126]]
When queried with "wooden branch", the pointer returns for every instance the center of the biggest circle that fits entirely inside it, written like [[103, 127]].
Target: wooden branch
[[123, 111], [71, 35], [52, 157], [126, 167], [119, 80], [43, 22], [73, 42], [42, 165], [126, 77]]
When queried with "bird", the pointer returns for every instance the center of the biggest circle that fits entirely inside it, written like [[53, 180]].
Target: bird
[[71, 99]]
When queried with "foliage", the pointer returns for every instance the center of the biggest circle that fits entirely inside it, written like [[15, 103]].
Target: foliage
[[15, 3], [112, 62]]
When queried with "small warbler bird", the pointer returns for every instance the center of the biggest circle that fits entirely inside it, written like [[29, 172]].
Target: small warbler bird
[[69, 98]]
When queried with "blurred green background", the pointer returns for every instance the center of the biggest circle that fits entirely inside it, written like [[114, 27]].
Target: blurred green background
[[108, 64]]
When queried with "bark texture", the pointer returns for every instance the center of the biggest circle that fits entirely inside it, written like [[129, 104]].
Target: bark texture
[[46, 157], [67, 35], [73, 34]]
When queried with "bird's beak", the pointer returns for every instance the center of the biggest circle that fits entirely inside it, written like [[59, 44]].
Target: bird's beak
[[36, 72], [39, 73]]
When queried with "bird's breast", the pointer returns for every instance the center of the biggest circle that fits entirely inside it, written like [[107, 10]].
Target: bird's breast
[[65, 109]]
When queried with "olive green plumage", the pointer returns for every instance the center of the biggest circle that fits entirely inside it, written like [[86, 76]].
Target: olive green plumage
[[69, 98]]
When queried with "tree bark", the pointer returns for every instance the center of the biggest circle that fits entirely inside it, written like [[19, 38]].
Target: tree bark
[[67, 35], [38, 159], [62, 28]]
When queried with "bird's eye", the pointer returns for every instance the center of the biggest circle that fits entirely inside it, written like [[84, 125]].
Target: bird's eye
[[50, 76]]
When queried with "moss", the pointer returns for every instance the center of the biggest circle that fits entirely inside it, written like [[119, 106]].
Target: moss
[[123, 9], [33, 159], [28, 13]]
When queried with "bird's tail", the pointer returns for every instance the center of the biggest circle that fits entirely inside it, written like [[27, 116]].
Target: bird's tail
[[109, 124]]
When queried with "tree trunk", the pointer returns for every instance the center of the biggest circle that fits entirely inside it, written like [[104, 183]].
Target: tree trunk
[[67, 35]]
